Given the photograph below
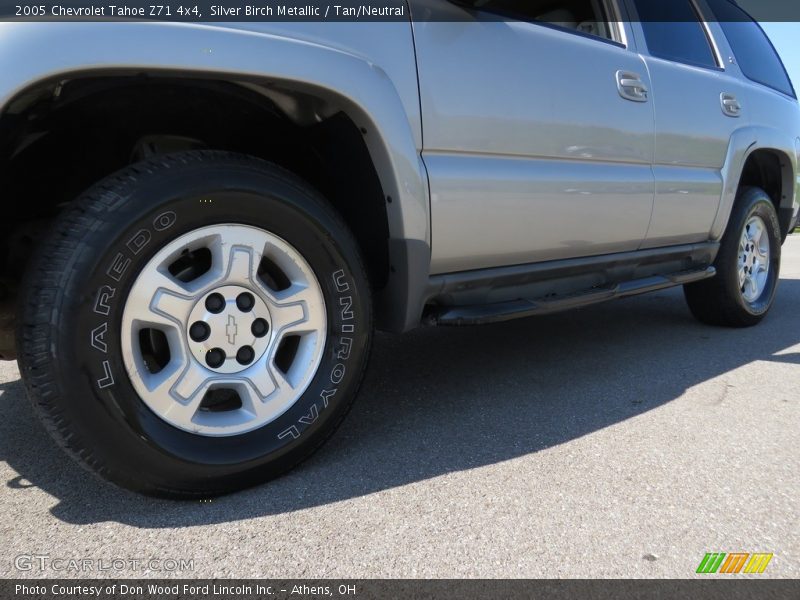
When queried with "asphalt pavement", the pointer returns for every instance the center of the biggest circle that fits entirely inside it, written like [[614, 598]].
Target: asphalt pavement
[[621, 440]]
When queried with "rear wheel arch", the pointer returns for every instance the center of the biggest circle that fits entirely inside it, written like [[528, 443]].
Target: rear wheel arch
[[773, 171]]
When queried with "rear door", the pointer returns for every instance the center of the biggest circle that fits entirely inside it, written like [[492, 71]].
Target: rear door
[[538, 133], [698, 106]]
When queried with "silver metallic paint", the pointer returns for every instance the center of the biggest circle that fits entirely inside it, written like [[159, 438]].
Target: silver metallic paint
[[531, 153], [366, 69], [543, 157]]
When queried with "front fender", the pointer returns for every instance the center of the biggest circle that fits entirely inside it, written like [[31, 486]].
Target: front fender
[[34, 52], [340, 64]]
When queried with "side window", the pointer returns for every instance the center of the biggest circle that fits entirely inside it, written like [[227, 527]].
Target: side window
[[673, 31], [587, 17], [754, 52]]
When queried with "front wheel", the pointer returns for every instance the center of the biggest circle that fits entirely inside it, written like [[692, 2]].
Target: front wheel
[[195, 324], [748, 264]]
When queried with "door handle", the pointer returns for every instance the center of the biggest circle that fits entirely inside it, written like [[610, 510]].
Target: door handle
[[730, 105], [631, 87]]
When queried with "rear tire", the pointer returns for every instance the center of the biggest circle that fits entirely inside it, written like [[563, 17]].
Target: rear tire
[[157, 317], [748, 265]]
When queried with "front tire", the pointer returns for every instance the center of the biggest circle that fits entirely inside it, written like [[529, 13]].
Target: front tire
[[748, 265], [195, 324]]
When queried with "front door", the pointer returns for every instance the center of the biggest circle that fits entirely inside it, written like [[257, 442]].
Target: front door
[[538, 134]]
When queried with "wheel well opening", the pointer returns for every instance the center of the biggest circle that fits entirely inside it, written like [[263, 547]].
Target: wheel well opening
[[766, 169], [59, 138]]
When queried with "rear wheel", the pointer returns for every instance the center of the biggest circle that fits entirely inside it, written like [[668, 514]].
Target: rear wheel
[[748, 264], [195, 324]]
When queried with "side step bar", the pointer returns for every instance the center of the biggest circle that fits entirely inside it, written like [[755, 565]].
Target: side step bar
[[504, 311]]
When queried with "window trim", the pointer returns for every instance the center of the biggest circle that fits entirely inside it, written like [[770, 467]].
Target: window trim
[[616, 22], [710, 40], [734, 56], [607, 5], [555, 27], [710, 12]]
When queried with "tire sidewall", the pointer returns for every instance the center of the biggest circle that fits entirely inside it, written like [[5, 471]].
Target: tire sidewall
[[754, 202], [87, 347]]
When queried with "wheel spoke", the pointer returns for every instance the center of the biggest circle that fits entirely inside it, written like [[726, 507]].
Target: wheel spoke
[[280, 378], [173, 306], [236, 256], [753, 286], [261, 379], [265, 391], [160, 300], [254, 403], [756, 232], [762, 248], [190, 382], [178, 396], [185, 412], [288, 317], [240, 265], [297, 309]]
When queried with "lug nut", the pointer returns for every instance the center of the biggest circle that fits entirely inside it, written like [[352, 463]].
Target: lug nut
[[215, 357], [199, 331], [259, 328], [215, 303], [245, 355], [245, 302]]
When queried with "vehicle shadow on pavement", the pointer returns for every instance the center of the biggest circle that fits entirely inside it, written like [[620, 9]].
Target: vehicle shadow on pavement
[[437, 401]]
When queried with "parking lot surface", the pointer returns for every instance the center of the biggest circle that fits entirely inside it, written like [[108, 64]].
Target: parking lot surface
[[621, 440]]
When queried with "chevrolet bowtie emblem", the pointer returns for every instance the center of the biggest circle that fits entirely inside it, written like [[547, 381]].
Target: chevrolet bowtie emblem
[[231, 330]]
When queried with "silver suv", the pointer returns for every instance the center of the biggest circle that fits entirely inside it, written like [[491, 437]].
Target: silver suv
[[204, 222]]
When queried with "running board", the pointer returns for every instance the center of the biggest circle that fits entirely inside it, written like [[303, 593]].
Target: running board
[[504, 311]]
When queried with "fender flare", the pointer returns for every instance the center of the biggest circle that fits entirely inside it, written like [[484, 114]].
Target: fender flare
[[744, 143], [352, 83]]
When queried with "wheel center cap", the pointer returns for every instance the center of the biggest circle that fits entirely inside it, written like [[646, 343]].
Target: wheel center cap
[[229, 329]]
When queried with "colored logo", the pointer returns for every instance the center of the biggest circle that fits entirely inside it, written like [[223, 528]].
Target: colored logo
[[734, 562]]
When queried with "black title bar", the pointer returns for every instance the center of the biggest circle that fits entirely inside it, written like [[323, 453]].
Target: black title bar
[[315, 10]]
